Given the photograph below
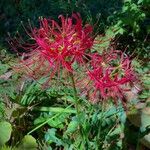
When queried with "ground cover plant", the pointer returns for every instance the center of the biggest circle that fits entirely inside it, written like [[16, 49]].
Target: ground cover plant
[[77, 77]]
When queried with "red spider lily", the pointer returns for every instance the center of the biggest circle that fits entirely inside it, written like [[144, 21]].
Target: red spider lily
[[110, 74], [55, 45]]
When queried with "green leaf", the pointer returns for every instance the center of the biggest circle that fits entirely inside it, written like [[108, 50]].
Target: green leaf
[[55, 109], [116, 131], [68, 98], [140, 1], [111, 111], [5, 132], [3, 68], [55, 122], [39, 120], [145, 123], [145, 94], [50, 137], [28, 143], [58, 122], [73, 125]]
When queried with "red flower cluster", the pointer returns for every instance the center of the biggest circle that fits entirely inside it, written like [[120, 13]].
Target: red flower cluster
[[56, 45], [110, 73]]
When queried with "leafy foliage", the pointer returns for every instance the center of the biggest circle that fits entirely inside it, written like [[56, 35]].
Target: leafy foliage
[[5, 130], [47, 118]]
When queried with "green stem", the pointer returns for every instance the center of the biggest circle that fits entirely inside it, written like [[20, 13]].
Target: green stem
[[100, 126], [138, 146], [77, 106], [75, 94]]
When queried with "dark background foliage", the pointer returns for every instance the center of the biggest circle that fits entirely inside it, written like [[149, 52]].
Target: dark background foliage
[[129, 18], [12, 12]]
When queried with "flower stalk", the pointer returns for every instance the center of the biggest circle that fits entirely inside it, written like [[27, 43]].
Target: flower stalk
[[77, 106], [75, 93]]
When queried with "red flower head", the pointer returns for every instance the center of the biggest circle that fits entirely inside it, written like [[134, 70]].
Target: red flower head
[[55, 45], [110, 73]]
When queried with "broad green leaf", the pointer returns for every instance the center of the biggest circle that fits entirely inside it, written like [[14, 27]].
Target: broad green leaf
[[55, 109], [5, 132], [28, 143]]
